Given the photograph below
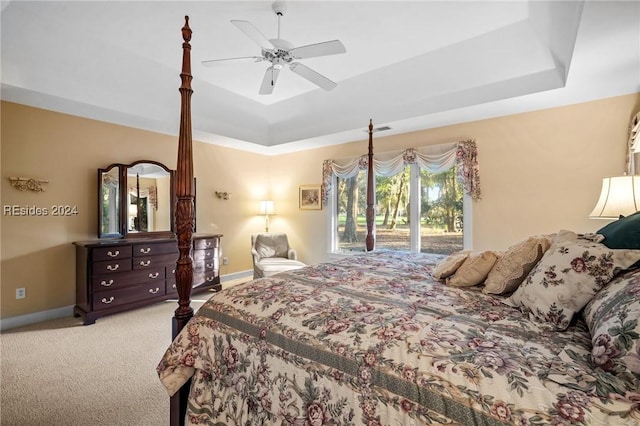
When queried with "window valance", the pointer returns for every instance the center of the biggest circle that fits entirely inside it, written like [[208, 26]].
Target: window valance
[[434, 158]]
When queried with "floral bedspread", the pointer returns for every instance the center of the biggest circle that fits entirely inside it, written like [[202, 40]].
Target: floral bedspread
[[373, 339]]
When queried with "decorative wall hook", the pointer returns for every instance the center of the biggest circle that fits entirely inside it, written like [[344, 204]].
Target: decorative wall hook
[[24, 184], [223, 195]]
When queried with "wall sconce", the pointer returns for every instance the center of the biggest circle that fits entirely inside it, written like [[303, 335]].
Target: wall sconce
[[620, 195], [266, 209], [223, 195], [24, 184]]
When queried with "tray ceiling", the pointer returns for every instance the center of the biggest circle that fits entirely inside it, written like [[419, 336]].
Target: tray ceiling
[[409, 65]]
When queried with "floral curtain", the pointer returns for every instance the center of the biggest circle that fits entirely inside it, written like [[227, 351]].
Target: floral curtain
[[435, 159]]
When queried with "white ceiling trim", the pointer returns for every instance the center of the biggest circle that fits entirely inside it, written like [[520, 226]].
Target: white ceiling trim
[[409, 65]]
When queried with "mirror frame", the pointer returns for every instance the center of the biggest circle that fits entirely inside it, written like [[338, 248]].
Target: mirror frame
[[123, 195]]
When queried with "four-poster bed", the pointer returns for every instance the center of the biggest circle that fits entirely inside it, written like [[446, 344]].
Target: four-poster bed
[[375, 339]]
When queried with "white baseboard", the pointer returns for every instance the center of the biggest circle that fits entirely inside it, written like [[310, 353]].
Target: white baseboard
[[27, 319], [237, 276], [67, 311]]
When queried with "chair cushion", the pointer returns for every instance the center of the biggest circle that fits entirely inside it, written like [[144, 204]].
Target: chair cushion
[[273, 265], [272, 245]]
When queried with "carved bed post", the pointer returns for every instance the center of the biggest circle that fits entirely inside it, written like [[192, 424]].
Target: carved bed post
[[184, 217], [370, 240]]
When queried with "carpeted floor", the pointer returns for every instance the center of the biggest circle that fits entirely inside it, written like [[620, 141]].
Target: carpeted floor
[[63, 373]]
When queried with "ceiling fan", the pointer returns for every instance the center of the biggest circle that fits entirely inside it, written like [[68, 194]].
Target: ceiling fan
[[280, 52]]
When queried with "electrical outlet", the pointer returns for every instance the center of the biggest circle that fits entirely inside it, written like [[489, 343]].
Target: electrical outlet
[[225, 260], [21, 293]]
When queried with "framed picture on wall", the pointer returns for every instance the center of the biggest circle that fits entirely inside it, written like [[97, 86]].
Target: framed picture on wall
[[310, 197]]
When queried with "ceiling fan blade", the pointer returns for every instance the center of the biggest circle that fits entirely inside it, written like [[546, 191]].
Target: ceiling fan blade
[[269, 81], [311, 75], [212, 62], [253, 33], [319, 49]]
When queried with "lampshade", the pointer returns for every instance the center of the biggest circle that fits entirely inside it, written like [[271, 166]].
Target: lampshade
[[266, 207], [620, 195]]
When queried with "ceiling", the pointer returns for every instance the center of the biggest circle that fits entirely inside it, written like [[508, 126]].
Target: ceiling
[[409, 65]]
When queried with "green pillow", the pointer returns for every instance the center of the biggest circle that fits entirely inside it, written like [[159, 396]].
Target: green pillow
[[624, 233]]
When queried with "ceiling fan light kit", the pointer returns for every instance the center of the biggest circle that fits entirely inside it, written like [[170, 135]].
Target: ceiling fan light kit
[[280, 52]]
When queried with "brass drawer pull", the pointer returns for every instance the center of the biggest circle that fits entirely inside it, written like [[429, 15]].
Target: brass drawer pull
[[208, 265], [207, 254], [145, 250], [152, 291], [106, 302], [209, 279], [145, 262], [154, 275], [207, 244], [113, 268], [106, 284], [110, 254]]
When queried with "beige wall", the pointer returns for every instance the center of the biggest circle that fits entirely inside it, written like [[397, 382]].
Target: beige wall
[[539, 171], [37, 251]]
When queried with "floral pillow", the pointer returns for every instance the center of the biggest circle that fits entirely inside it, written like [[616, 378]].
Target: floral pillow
[[567, 277], [613, 318]]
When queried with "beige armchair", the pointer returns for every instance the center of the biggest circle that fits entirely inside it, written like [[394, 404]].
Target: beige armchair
[[272, 254]]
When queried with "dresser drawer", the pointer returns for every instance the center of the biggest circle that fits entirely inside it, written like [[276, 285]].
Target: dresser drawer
[[171, 287], [205, 278], [154, 262], [148, 249], [109, 299], [111, 266], [110, 253], [206, 243], [116, 281], [205, 265], [204, 254]]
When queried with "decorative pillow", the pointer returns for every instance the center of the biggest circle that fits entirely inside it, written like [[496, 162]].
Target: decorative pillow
[[473, 270], [515, 264], [613, 320], [566, 278], [624, 233], [450, 264]]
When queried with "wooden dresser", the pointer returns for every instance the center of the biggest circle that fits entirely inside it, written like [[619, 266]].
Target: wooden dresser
[[118, 275]]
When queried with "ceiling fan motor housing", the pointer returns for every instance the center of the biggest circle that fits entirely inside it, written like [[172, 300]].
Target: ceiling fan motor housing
[[280, 55]]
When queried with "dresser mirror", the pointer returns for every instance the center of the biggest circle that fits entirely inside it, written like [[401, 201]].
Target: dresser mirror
[[136, 200]]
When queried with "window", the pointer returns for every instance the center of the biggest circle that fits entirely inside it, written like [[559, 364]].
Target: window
[[422, 197], [440, 213]]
